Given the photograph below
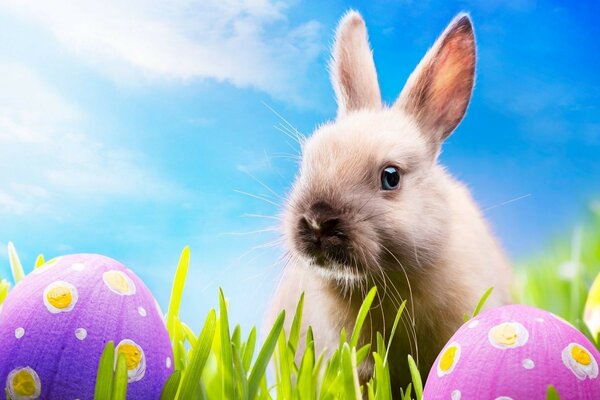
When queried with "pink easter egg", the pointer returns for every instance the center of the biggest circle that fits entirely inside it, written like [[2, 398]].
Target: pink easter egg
[[515, 352]]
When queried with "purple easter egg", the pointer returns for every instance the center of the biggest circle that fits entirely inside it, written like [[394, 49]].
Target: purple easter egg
[[56, 322], [515, 352]]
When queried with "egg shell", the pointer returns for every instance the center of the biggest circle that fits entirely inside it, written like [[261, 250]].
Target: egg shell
[[61, 335], [515, 352], [591, 314]]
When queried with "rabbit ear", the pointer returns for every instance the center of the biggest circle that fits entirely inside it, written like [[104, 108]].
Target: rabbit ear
[[437, 93], [352, 68]]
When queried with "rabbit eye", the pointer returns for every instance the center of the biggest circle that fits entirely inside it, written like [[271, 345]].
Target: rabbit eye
[[390, 178]]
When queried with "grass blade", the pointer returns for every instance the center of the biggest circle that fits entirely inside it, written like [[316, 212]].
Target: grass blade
[[362, 314], [362, 353], [39, 261], [198, 357], [236, 337], [551, 393], [482, 301], [174, 304], [189, 334], [296, 325], [260, 366], [169, 391], [249, 349], [104, 378], [178, 285], [406, 395], [351, 385], [119, 389], [416, 377], [382, 379], [240, 375], [15, 264], [284, 366], [393, 332], [227, 384], [4, 288], [370, 390], [305, 385]]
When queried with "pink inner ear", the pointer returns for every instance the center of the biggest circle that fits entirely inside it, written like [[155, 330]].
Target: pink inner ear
[[439, 90], [452, 81]]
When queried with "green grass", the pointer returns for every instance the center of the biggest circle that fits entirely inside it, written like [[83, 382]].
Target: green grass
[[558, 280], [222, 362]]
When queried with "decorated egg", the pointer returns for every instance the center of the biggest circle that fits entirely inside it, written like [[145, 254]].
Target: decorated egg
[[515, 352], [56, 322], [591, 314]]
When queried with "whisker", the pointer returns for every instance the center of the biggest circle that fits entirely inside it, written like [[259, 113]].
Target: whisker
[[301, 137], [257, 197], [412, 313], [271, 244], [506, 202], [286, 155], [396, 299], [258, 247], [261, 183], [374, 216], [247, 215], [292, 131], [269, 229], [286, 133], [365, 203]]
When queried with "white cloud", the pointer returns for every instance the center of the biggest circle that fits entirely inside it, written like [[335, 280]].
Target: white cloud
[[47, 165], [249, 43]]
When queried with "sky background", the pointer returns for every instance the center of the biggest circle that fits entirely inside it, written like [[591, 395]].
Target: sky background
[[132, 129]]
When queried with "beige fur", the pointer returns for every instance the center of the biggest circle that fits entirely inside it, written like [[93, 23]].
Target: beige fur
[[426, 242]]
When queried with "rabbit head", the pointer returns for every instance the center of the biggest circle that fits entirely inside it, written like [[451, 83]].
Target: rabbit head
[[370, 195]]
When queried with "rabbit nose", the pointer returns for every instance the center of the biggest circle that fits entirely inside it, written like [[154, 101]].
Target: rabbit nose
[[322, 220], [321, 227]]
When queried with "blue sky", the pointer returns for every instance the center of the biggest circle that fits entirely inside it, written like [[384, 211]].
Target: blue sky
[[130, 128]]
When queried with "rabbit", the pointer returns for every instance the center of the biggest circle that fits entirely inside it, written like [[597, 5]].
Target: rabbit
[[371, 205]]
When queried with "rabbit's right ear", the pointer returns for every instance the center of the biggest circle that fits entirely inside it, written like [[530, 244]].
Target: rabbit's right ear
[[438, 91], [352, 68]]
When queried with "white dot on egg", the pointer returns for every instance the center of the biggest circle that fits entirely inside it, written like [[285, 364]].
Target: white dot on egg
[[528, 363], [19, 333], [78, 266], [539, 319], [455, 395], [473, 324], [142, 311], [81, 333], [168, 362]]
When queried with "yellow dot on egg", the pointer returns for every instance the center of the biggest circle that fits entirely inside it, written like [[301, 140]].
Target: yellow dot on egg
[[60, 297], [132, 354], [581, 355], [505, 334], [447, 359], [23, 383], [118, 282]]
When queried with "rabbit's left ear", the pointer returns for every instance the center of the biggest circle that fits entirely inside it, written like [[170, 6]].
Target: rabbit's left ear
[[352, 67], [438, 92]]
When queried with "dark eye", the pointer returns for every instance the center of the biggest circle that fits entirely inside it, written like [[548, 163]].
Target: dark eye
[[390, 178]]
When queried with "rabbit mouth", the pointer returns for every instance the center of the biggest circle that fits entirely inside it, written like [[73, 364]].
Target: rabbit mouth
[[320, 258], [334, 262]]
